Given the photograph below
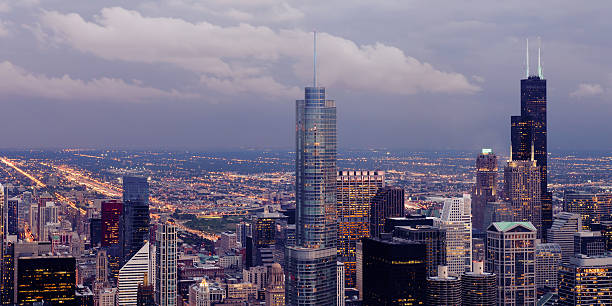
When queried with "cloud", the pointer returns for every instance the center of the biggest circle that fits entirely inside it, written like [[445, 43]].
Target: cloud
[[228, 57], [3, 30], [587, 90], [15, 81]]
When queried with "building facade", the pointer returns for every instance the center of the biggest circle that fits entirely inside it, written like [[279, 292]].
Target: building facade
[[456, 220], [443, 289], [592, 207], [478, 287], [586, 281], [522, 191], [135, 214], [388, 202], [548, 261], [133, 273], [355, 190], [562, 233], [166, 264], [485, 189]]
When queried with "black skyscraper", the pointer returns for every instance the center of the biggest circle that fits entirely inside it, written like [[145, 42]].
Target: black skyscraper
[[135, 214], [529, 133]]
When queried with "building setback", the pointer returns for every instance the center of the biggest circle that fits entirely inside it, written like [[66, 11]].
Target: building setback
[[586, 281]]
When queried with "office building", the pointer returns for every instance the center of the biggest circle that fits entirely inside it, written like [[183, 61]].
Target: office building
[[166, 257], [500, 211], [46, 278], [456, 220], [529, 138], [95, 231], [485, 190], [265, 237], [478, 287], [434, 239], [605, 228], [586, 281], [133, 273], [111, 215], [145, 296], [355, 190], [388, 202], [311, 264], [101, 266], [243, 230], [548, 261], [3, 240], [275, 291], [199, 294], [135, 214], [443, 289], [511, 256], [592, 207], [562, 233], [340, 284], [12, 216], [589, 243], [394, 271], [522, 190]]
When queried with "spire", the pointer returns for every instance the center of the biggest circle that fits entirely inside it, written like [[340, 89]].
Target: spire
[[511, 152], [314, 77], [540, 72], [527, 59], [532, 151]]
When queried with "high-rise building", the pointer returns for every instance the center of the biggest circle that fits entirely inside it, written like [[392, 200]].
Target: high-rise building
[[3, 238], [340, 284], [145, 296], [592, 207], [589, 243], [548, 261], [111, 211], [394, 271], [275, 291], [500, 211], [243, 230], [485, 190], [456, 220], [95, 231], [511, 256], [562, 233], [12, 216], [199, 295], [434, 239], [605, 227], [133, 273], [529, 136], [166, 264], [443, 289], [265, 238], [522, 190], [311, 264], [135, 214], [586, 281], [478, 287], [101, 266], [46, 278], [388, 202], [355, 190], [108, 297]]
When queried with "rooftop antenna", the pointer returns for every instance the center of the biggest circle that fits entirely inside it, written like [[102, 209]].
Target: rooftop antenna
[[314, 78], [540, 72], [532, 152], [527, 59]]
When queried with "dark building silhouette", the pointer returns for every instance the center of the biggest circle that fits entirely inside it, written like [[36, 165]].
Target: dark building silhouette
[[95, 231], [394, 271], [589, 243], [135, 214], [529, 135], [8, 275], [485, 189], [111, 212], [46, 278], [435, 240], [388, 202], [145, 295], [605, 228], [12, 216]]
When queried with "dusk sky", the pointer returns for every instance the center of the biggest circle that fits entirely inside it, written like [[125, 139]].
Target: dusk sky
[[225, 74]]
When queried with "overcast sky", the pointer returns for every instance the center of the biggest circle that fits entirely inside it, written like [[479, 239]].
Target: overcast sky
[[225, 74]]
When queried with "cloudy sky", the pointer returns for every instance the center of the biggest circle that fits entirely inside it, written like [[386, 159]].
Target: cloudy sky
[[224, 74]]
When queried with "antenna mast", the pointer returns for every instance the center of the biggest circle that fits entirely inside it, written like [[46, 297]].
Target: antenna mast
[[527, 59], [540, 72], [314, 77]]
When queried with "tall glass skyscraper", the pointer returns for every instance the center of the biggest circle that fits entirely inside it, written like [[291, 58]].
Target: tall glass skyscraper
[[311, 264], [135, 214], [529, 135]]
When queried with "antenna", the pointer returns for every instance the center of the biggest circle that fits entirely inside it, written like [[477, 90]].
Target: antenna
[[314, 77], [527, 53], [540, 72], [532, 151]]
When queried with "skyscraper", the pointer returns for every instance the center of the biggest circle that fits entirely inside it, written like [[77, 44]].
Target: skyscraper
[[592, 207], [589, 243], [478, 287], [443, 289], [133, 273], [485, 189], [3, 205], [529, 136], [46, 278], [586, 281], [112, 226], [135, 214], [311, 264], [434, 239], [456, 220], [562, 233], [355, 190], [522, 190], [275, 291], [548, 262], [393, 271], [166, 264], [12, 216], [199, 294], [388, 202], [511, 256]]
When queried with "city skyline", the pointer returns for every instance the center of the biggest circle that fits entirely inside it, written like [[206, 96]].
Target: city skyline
[[448, 70]]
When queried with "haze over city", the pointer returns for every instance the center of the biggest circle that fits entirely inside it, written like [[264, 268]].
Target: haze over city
[[219, 75]]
